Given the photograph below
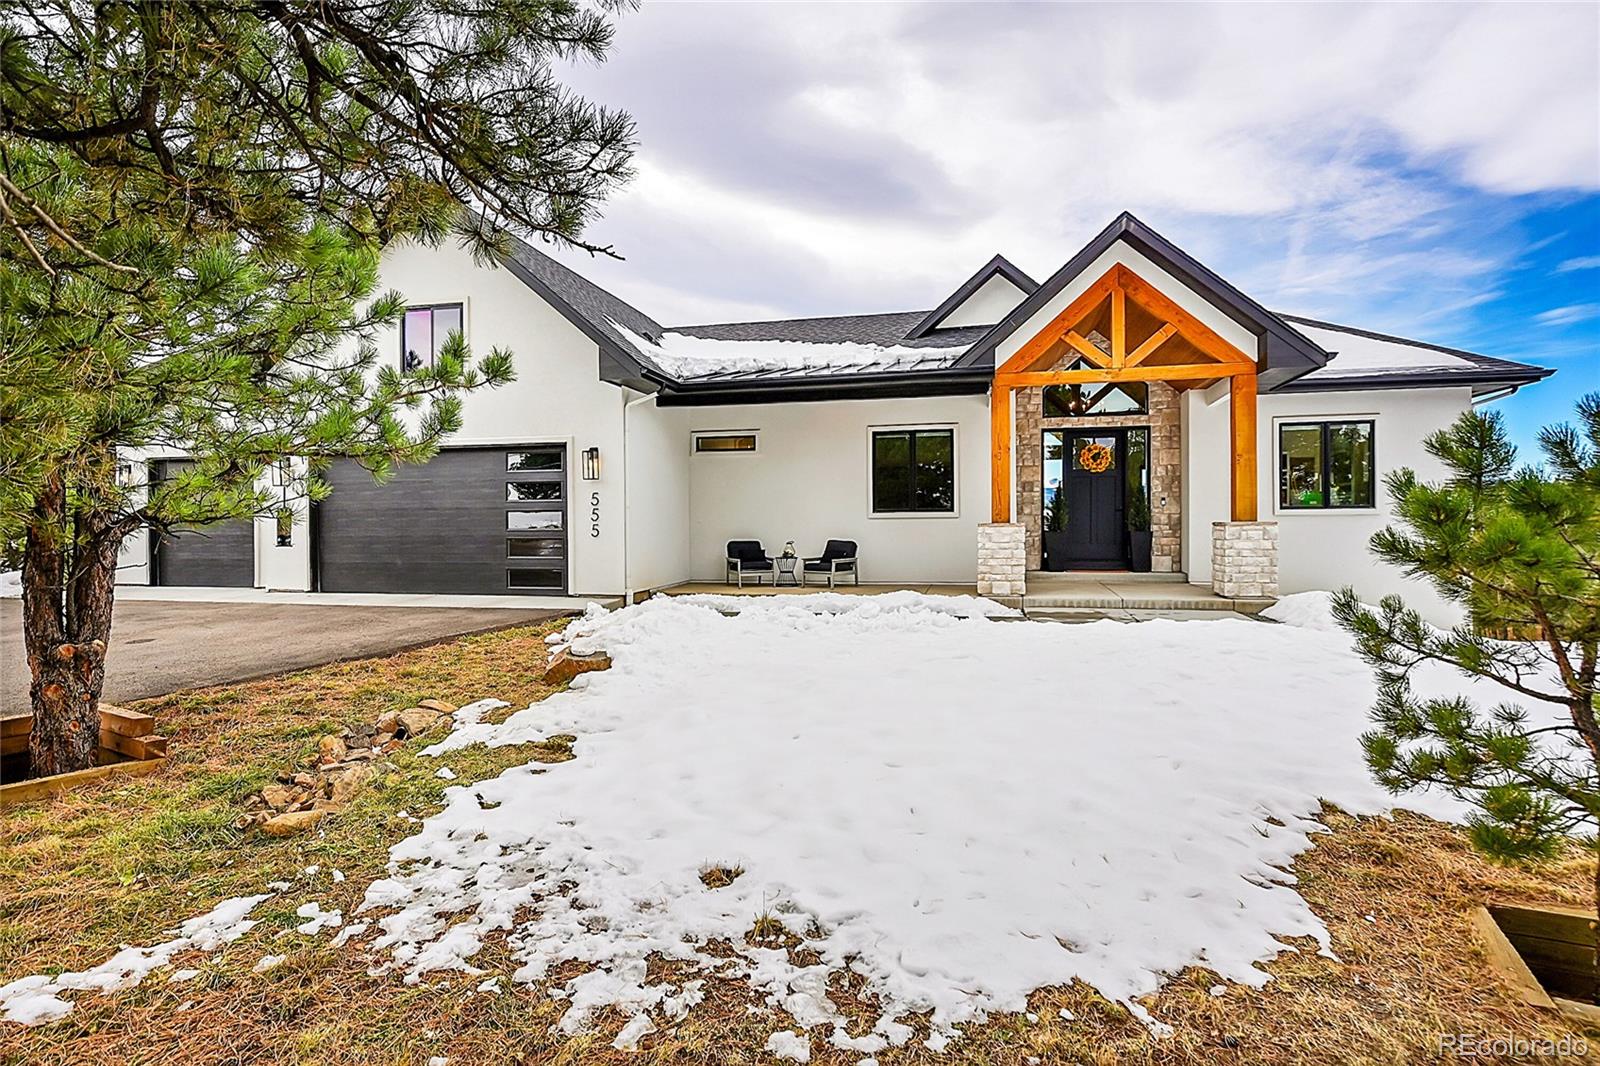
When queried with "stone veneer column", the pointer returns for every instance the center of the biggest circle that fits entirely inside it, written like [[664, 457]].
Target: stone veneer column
[[1244, 560], [1002, 559]]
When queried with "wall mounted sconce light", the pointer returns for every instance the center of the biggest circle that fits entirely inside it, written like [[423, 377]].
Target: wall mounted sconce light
[[591, 464]]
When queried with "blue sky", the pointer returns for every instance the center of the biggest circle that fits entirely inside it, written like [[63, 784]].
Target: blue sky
[[1429, 170]]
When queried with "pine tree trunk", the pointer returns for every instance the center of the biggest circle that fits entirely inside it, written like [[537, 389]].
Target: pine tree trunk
[[68, 582]]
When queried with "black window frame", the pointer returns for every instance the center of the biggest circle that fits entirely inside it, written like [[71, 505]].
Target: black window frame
[[1324, 473], [912, 433], [456, 305], [752, 436]]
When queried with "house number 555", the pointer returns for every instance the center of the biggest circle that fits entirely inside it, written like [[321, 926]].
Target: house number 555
[[594, 514]]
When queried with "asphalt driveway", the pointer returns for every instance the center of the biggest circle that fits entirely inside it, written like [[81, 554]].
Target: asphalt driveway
[[161, 647]]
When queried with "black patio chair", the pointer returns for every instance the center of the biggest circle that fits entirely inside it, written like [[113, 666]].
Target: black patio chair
[[837, 559], [747, 558]]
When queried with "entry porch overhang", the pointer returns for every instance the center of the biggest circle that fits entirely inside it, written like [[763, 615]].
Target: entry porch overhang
[[1143, 336]]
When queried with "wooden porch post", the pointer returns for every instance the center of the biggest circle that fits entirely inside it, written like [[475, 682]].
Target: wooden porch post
[[1242, 439], [1000, 450]]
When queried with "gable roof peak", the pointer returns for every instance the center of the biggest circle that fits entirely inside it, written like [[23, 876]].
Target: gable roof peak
[[998, 265], [1283, 352]]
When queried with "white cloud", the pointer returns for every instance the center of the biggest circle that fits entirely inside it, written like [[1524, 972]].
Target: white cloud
[[868, 157], [1566, 316], [1582, 262]]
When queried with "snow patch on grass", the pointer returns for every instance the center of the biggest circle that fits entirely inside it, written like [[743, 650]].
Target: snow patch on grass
[[37, 999], [955, 810], [793, 1046]]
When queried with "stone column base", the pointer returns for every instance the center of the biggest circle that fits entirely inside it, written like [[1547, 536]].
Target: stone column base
[[1002, 559], [1244, 560]]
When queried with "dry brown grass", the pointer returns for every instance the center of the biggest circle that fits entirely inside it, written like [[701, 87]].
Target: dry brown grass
[[123, 863]]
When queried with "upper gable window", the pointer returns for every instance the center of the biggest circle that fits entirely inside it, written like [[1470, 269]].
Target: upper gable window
[[1079, 400], [423, 333]]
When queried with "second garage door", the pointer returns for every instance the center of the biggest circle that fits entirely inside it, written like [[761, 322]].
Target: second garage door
[[222, 554], [470, 520]]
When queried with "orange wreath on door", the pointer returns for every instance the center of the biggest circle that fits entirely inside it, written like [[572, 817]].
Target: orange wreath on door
[[1095, 458]]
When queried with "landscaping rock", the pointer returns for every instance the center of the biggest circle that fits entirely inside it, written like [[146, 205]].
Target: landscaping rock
[[418, 720], [284, 825], [344, 763], [279, 796], [347, 784], [566, 666]]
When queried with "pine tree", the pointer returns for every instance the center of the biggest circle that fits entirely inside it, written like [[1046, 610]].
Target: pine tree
[[1519, 550], [193, 202]]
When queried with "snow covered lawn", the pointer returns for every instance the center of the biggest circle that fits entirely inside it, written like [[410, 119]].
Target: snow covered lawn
[[957, 809]]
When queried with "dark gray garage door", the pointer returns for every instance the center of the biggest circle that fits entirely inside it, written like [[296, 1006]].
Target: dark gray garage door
[[470, 520], [220, 554]]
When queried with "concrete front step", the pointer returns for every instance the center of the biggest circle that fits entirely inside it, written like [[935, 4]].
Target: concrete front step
[[1114, 593], [1030, 603], [1099, 577]]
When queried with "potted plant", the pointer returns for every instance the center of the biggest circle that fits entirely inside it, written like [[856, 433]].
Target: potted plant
[[1055, 530], [1139, 533]]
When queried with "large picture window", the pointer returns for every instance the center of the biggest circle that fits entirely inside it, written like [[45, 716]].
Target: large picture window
[[913, 471], [1325, 465], [423, 333]]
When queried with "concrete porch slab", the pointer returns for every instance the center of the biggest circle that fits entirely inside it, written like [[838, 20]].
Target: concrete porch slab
[[716, 588]]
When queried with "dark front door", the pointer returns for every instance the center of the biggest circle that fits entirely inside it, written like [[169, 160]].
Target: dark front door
[[221, 554], [470, 520], [1093, 490]]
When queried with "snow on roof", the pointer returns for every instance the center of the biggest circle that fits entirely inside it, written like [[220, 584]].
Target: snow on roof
[[1357, 353], [686, 356]]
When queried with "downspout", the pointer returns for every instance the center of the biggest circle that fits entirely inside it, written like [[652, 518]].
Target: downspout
[[627, 585]]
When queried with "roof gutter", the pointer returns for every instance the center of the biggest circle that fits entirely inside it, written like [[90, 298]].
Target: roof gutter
[[1493, 378], [882, 385]]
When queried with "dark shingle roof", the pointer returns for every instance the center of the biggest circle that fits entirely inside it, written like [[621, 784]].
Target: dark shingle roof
[[942, 353], [586, 305]]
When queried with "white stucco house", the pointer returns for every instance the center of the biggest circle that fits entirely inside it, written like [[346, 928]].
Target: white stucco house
[[1015, 428]]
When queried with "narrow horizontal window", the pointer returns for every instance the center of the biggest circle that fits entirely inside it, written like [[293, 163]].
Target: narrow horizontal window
[[516, 520], [532, 490], [540, 460], [913, 471], [529, 578], [535, 548], [1326, 465], [725, 442]]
